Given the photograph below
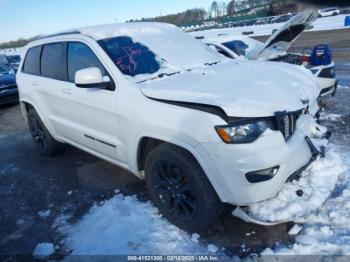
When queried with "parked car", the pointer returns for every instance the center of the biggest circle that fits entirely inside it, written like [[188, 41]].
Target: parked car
[[14, 61], [4, 60], [275, 49], [8, 87], [10, 61], [202, 130], [345, 11], [281, 19], [328, 12]]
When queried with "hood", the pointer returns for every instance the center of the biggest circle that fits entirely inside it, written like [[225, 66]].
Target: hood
[[283, 38], [240, 88], [7, 79]]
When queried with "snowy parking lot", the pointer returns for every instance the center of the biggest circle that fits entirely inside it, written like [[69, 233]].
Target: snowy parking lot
[[75, 204]]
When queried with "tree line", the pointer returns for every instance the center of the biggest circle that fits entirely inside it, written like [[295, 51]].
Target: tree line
[[219, 10]]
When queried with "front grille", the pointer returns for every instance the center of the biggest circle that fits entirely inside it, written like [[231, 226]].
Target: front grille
[[286, 122], [327, 73]]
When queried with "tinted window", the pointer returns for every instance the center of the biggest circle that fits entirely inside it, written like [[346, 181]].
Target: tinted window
[[32, 61], [53, 61], [4, 69], [239, 47], [3, 59], [80, 56], [132, 58], [14, 59]]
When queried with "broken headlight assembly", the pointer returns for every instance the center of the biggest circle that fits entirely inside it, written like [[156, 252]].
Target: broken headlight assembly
[[244, 132]]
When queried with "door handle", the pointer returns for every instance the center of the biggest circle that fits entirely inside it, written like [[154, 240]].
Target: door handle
[[35, 84], [67, 91]]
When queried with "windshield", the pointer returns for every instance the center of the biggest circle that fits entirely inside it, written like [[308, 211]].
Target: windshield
[[244, 47], [144, 52], [4, 69], [131, 58], [239, 47], [3, 59], [14, 59]]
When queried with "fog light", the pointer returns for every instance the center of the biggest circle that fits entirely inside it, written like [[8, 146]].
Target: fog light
[[262, 175]]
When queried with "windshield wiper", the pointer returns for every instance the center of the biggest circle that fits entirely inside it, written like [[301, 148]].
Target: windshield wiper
[[212, 63], [159, 76]]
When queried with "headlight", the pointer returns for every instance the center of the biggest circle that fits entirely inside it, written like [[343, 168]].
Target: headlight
[[243, 133]]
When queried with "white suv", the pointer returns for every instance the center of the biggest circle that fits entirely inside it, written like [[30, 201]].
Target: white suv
[[328, 12], [202, 130]]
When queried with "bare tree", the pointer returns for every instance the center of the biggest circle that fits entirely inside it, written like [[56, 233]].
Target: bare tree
[[223, 8], [214, 8], [231, 8]]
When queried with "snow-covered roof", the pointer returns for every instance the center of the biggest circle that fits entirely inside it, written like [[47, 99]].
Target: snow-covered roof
[[99, 32], [177, 49]]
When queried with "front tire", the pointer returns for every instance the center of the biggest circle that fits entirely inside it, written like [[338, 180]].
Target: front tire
[[180, 189], [42, 138]]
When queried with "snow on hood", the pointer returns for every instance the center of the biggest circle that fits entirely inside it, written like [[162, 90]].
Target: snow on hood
[[283, 38], [240, 88], [178, 49]]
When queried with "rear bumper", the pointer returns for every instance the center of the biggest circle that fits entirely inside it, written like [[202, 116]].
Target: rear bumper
[[233, 162]]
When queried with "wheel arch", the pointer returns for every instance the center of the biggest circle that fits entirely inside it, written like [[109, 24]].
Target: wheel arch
[[147, 143], [27, 105]]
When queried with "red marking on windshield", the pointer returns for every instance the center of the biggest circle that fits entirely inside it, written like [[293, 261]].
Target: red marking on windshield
[[130, 54]]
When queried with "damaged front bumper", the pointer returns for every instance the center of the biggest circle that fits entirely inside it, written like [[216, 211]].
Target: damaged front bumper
[[318, 151]]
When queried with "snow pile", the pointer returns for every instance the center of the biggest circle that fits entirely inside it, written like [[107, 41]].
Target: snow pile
[[329, 116], [43, 250], [300, 198], [125, 226], [326, 232]]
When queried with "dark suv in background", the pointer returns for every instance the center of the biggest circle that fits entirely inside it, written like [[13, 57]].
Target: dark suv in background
[[10, 61], [8, 86]]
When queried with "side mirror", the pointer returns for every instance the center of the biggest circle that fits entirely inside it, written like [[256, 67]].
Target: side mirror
[[92, 78]]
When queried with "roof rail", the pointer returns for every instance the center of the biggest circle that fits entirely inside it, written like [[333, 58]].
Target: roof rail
[[60, 34]]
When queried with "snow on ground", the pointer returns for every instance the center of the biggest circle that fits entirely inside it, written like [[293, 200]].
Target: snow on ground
[[327, 231], [43, 250], [125, 226], [314, 187], [329, 116], [326, 23]]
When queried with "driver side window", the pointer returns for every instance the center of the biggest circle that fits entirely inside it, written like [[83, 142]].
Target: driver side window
[[80, 56]]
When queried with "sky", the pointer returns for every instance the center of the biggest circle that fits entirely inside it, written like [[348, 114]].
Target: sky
[[27, 18]]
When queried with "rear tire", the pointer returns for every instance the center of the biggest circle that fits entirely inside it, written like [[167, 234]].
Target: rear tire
[[42, 138], [180, 189]]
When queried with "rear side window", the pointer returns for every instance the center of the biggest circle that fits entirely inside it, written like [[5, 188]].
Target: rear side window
[[32, 61], [80, 56], [53, 61]]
